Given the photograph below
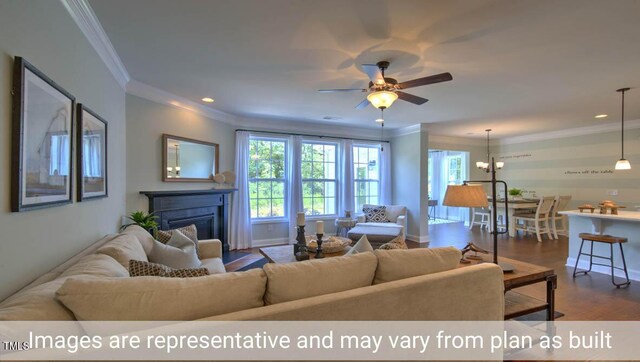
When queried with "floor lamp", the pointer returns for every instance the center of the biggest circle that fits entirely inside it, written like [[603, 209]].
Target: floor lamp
[[467, 195]]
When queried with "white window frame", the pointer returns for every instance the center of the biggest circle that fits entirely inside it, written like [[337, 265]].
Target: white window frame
[[336, 180], [285, 180], [357, 180]]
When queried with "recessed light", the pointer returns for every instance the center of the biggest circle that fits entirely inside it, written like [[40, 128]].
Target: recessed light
[[207, 99], [602, 116]]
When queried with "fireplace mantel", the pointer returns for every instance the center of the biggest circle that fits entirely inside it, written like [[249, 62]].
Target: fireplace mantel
[[207, 209]]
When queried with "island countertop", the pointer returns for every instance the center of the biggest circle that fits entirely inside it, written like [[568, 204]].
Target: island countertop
[[622, 215]]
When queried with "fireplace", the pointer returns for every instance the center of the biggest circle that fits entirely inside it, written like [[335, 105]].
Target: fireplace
[[207, 209]]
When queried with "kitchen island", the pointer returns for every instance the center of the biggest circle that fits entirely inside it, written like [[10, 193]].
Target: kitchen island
[[625, 224]]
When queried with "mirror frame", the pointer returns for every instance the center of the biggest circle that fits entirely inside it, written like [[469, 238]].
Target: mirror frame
[[165, 140]]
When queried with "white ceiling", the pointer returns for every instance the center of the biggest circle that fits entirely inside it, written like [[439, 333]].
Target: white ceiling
[[519, 67]]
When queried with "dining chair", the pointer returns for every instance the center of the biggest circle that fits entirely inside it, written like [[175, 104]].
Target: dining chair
[[560, 204], [485, 218], [538, 222]]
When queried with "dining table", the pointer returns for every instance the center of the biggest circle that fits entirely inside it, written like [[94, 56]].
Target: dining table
[[515, 207]]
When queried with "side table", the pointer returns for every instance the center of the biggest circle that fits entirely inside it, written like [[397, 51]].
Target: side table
[[343, 225]]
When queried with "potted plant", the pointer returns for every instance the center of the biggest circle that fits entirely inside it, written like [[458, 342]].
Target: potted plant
[[144, 220], [515, 194]]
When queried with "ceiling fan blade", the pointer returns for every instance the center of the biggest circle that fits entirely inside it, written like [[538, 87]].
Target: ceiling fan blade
[[438, 78], [342, 90], [411, 98], [374, 73], [363, 104]]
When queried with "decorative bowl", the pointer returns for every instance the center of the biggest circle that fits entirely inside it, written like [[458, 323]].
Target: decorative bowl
[[330, 245]]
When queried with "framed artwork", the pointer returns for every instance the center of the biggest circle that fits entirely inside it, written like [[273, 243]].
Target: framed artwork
[[91, 154], [41, 161]]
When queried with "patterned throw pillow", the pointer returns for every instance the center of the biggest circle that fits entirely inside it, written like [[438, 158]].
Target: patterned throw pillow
[[397, 243], [375, 213], [139, 268], [189, 231]]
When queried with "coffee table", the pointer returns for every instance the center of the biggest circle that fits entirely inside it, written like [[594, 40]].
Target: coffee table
[[518, 304], [284, 254]]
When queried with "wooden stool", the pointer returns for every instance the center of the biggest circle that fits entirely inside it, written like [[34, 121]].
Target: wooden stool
[[607, 239]]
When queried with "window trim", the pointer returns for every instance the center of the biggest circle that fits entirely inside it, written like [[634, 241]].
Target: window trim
[[285, 180], [366, 180], [336, 180]]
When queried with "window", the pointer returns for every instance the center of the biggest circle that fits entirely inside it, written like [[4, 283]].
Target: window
[[267, 177], [454, 171], [319, 181], [366, 163]]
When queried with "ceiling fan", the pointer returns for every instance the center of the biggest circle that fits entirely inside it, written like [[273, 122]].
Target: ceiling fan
[[384, 91]]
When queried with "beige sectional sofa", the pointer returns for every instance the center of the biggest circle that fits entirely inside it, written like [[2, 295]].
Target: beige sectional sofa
[[419, 284]]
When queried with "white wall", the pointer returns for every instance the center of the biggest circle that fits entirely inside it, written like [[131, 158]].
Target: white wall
[[146, 122], [33, 242], [581, 166]]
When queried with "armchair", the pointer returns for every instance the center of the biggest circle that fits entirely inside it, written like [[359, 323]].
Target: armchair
[[396, 214]]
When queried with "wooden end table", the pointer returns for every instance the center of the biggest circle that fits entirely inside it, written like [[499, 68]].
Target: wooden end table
[[284, 254], [518, 304]]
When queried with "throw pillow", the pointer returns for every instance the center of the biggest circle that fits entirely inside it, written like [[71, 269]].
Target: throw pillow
[[375, 213], [397, 243], [190, 231], [179, 252], [362, 246], [138, 268]]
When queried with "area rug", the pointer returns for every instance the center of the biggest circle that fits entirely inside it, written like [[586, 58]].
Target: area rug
[[232, 255], [255, 265], [437, 221]]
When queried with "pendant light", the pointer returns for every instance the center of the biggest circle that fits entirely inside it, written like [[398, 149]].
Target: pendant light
[[485, 166], [623, 163]]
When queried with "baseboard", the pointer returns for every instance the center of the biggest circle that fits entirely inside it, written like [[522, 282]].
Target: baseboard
[[269, 242], [584, 265], [418, 239]]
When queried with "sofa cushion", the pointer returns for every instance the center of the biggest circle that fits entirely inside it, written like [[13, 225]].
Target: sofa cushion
[[375, 233], [189, 231], [401, 264], [160, 299], [98, 265], [36, 304], [139, 268], [292, 281], [374, 213], [123, 248], [395, 211], [179, 252], [143, 236]]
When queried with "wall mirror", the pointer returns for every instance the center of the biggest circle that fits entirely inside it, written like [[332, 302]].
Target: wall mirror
[[185, 159]]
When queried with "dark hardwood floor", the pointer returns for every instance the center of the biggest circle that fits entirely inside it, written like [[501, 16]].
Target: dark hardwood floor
[[588, 297]]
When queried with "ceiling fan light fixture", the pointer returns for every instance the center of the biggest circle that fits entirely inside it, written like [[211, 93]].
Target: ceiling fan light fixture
[[382, 99]]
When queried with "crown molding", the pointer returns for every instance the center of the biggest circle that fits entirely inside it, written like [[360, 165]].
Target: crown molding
[[414, 128], [157, 95], [454, 140], [572, 132], [321, 130], [86, 19]]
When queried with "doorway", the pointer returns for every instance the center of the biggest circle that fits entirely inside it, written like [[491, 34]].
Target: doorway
[[446, 167]]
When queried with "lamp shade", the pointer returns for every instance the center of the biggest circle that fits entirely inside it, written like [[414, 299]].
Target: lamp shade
[[623, 164], [382, 99], [465, 196]]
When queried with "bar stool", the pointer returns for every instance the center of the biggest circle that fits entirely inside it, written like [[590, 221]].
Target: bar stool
[[607, 239]]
